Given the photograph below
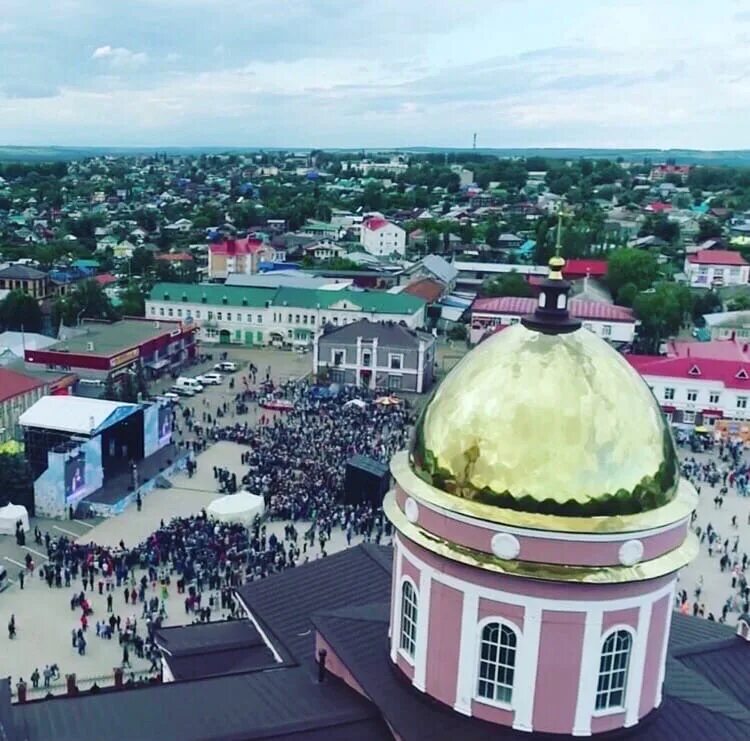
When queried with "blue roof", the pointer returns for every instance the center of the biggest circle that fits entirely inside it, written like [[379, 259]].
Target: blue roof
[[527, 247]]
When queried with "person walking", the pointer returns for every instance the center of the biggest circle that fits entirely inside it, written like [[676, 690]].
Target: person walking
[[21, 577], [12, 627], [35, 678], [125, 656]]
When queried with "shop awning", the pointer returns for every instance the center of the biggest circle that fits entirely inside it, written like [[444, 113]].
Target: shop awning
[[712, 413], [667, 408], [158, 364]]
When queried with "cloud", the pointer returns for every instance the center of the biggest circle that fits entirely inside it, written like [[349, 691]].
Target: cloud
[[25, 90], [120, 56]]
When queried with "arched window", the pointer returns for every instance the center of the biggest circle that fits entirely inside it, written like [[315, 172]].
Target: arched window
[[497, 662], [542, 299], [613, 670], [408, 642]]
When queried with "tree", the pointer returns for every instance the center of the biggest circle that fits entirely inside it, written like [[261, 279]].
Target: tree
[[741, 302], [88, 300], [660, 226], [708, 229], [492, 234], [631, 266], [661, 312], [509, 284], [19, 311], [132, 301], [626, 295], [706, 303], [16, 480]]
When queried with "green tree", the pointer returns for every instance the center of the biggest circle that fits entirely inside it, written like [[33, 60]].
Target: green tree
[[741, 302], [132, 301], [706, 303], [509, 284], [708, 229], [88, 300], [492, 234], [631, 266], [626, 295], [660, 226], [662, 312], [19, 311], [16, 480]]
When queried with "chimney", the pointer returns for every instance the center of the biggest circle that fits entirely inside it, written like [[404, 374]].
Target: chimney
[[322, 664]]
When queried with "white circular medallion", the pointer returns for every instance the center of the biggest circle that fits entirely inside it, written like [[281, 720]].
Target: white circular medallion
[[505, 545], [411, 508], [631, 552]]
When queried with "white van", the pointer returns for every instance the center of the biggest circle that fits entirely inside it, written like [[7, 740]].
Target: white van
[[189, 383]]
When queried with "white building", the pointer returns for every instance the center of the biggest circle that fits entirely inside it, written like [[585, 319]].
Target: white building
[[716, 268], [697, 391], [382, 238], [282, 316], [613, 323], [325, 249]]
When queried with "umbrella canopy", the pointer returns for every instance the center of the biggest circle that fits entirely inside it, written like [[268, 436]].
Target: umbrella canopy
[[242, 507]]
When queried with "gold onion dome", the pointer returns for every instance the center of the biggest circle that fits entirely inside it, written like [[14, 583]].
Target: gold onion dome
[[552, 421]]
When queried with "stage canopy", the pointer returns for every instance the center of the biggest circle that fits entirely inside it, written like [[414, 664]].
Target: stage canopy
[[10, 514], [75, 414], [242, 507]]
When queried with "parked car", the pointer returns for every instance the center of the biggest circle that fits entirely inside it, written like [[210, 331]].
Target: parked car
[[182, 390], [210, 379], [191, 383], [171, 396], [227, 366]]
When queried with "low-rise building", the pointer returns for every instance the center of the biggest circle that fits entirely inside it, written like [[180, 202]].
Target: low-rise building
[[613, 323], [376, 355], [31, 281], [716, 268], [281, 316], [325, 249], [698, 391], [238, 256], [382, 238], [97, 350], [17, 393], [728, 325]]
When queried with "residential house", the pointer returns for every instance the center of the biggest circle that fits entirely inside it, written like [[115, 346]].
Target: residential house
[[28, 280], [716, 268], [728, 325], [238, 256], [376, 355], [382, 238], [433, 267], [123, 250], [17, 393], [325, 249], [615, 324]]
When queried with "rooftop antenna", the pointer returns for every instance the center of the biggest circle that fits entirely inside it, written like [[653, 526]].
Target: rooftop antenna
[[474, 145]]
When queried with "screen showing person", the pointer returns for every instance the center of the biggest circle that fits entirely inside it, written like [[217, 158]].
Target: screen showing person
[[165, 424], [75, 475]]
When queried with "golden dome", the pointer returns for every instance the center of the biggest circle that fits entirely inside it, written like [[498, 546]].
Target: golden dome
[[549, 423]]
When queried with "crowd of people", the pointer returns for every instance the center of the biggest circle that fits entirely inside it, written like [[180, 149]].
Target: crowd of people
[[718, 469], [295, 459]]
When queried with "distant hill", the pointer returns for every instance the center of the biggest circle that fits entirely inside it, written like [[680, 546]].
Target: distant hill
[[735, 157]]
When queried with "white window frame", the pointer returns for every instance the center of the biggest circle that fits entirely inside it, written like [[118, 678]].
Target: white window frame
[[514, 629], [408, 620], [668, 393], [606, 330], [400, 356], [335, 350], [742, 402], [609, 709], [692, 395], [688, 417], [367, 356], [713, 397]]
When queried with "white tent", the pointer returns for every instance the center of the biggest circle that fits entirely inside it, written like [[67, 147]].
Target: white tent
[[242, 507], [10, 514]]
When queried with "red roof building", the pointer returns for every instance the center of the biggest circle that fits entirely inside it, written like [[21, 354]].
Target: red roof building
[[376, 223], [17, 393], [698, 390], [175, 257], [426, 289], [246, 246], [105, 279], [238, 256], [614, 323], [716, 268]]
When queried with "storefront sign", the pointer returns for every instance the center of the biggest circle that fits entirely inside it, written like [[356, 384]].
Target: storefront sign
[[124, 358]]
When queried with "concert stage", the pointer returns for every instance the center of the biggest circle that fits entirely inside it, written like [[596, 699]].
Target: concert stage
[[84, 451], [118, 492]]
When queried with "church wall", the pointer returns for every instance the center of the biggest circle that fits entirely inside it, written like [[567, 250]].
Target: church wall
[[598, 551], [491, 608], [620, 617], [558, 669], [653, 671], [443, 649]]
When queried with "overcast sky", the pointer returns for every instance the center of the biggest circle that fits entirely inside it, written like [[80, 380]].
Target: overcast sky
[[349, 73]]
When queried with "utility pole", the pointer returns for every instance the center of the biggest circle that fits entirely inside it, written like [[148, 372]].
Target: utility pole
[[474, 145]]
